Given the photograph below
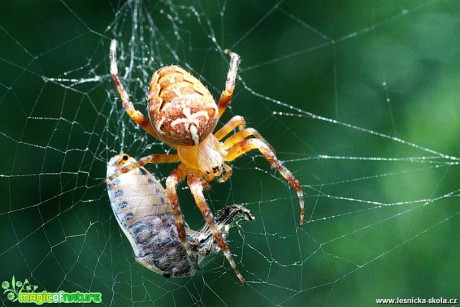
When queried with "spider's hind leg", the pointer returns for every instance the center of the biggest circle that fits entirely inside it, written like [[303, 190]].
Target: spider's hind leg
[[135, 115], [227, 94]]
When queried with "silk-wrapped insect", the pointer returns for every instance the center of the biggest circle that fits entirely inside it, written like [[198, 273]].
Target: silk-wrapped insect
[[143, 211]]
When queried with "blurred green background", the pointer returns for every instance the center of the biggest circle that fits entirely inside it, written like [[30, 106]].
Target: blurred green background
[[360, 99]]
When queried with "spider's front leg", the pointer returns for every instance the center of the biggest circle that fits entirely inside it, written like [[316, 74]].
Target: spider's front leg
[[197, 190], [155, 158], [176, 176], [242, 146]]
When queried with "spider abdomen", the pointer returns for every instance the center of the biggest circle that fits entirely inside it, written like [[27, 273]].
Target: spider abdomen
[[181, 109]]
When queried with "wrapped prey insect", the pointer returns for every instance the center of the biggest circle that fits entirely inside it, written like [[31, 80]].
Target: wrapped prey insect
[[143, 212]]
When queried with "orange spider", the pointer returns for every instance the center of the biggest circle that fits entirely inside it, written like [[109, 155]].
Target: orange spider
[[183, 115]]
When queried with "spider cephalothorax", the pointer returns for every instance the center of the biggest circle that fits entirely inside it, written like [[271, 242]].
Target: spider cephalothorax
[[183, 114]]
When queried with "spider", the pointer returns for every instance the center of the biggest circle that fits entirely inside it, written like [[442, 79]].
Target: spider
[[143, 212], [183, 115]]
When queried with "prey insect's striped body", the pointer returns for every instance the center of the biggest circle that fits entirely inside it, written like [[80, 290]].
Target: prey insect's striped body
[[143, 212]]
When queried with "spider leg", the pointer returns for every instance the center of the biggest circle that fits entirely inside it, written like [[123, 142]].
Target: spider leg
[[225, 218], [246, 145], [241, 135], [206, 185], [235, 121], [228, 173], [155, 158], [135, 115], [197, 190], [227, 94], [171, 183]]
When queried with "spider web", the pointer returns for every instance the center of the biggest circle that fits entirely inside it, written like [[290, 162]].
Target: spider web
[[360, 101]]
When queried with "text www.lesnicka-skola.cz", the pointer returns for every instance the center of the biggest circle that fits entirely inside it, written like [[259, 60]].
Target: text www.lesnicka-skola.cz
[[417, 300]]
